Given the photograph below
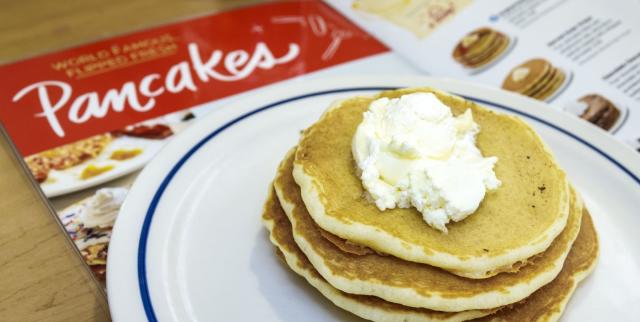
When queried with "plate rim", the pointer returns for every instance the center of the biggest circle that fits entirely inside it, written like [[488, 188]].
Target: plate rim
[[217, 121]]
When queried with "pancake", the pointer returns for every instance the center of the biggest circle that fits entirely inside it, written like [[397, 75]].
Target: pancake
[[500, 46], [549, 302], [542, 83], [413, 284], [546, 304], [480, 47], [526, 75], [475, 43], [368, 307], [552, 87], [514, 222]]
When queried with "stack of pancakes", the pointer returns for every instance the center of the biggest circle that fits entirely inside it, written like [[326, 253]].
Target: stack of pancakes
[[535, 78], [519, 257], [480, 47]]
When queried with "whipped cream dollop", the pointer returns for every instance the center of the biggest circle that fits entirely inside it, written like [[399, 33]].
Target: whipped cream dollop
[[412, 151], [102, 208]]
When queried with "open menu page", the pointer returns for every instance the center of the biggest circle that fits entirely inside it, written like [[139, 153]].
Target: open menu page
[[582, 57]]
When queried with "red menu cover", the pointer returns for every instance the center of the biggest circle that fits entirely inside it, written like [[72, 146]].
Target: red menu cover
[[86, 119], [65, 96]]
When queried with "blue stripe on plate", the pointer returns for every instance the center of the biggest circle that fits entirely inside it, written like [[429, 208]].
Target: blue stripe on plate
[[144, 234]]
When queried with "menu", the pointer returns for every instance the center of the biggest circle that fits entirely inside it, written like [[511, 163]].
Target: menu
[[87, 119], [583, 57]]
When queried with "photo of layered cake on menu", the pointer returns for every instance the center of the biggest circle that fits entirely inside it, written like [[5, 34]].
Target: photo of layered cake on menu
[[89, 223], [600, 111], [481, 47]]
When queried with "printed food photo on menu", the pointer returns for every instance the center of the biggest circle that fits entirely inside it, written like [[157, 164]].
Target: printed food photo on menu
[[89, 222], [537, 78], [599, 111], [420, 17], [481, 47], [335, 160], [103, 157], [74, 171]]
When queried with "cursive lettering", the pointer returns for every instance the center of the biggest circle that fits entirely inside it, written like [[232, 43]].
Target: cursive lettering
[[141, 97]]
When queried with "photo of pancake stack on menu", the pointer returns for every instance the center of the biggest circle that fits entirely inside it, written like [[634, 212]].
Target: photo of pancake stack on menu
[[418, 205], [480, 47], [535, 78]]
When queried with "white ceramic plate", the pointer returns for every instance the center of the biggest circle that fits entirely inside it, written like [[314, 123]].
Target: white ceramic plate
[[189, 244]]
